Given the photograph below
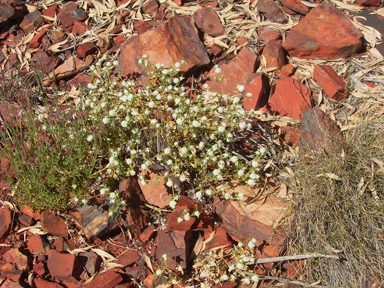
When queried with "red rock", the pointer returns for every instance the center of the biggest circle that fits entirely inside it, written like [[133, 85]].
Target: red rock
[[155, 191], [51, 11], [166, 245], [150, 6], [82, 80], [318, 130], [173, 41], [209, 4], [138, 273], [79, 28], [208, 22], [369, 3], [108, 279], [6, 267], [273, 54], [53, 224], [58, 244], [148, 233], [25, 209], [40, 283], [291, 135], [331, 83], [241, 41], [57, 36], [5, 223], [9, 283], [291, 99], [226, 285], [85, 49], [119, 39], [95, 221], [289, 11], [266, 34], [236, 72], [214, 50], [271, 11], [69, 13], [242, 228], [103, 43], [220, 239], [26, 220], [32, 21], [37, 244], [13, 275], [258, 86], [296, 6], [40, 269], [63, 265], [143, 26], [15, 256], [11, 10], [286, 71], [37, 39], [70, 67], [153, 281], [128, 257], [90, 261], [324, 33]]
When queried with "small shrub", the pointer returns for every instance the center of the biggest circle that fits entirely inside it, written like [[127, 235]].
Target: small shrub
[[197, 143]]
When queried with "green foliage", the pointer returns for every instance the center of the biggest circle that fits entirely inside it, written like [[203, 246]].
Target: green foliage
[[197, 142]]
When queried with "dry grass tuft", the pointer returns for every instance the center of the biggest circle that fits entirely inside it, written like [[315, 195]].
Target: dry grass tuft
[[339, 207]]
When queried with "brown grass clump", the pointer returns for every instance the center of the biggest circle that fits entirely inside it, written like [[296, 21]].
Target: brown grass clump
[[339, 208]]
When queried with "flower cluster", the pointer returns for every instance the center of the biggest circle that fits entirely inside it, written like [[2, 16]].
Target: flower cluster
[[196, 140]]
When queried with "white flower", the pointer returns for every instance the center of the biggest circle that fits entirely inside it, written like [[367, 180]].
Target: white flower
[[115, 62], [236, 100], [179, 121], [252, 243], [110, 213], [40, 117], [240, 196], [187, 217], [234, 159], [199, 195], [240, 88], [196, 123], [89, 138], [208, 192], [112, 195], [177, 64], [153, 121], [165, 71], [124, 98], [84, 201], [240, 173], [221, 129], [180, 219], [182, 178], [227, 196], [183, 151], [217, 70], [254, 176], [143, 166], [106, 120], [239, 244], [132, 172], [167, 151], [112, 112], [128, 161], [262, 150], [255, 164], [240, 266], [124, 124], [151, 104], [159, 272], [172, 204], [176, 80], [255, 278], [103, 190], [169, 183], [216, 172], [243, 125], [247, 280], [251, 182], [224, 277], [248, 95], [221, 164], [205, 86]]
